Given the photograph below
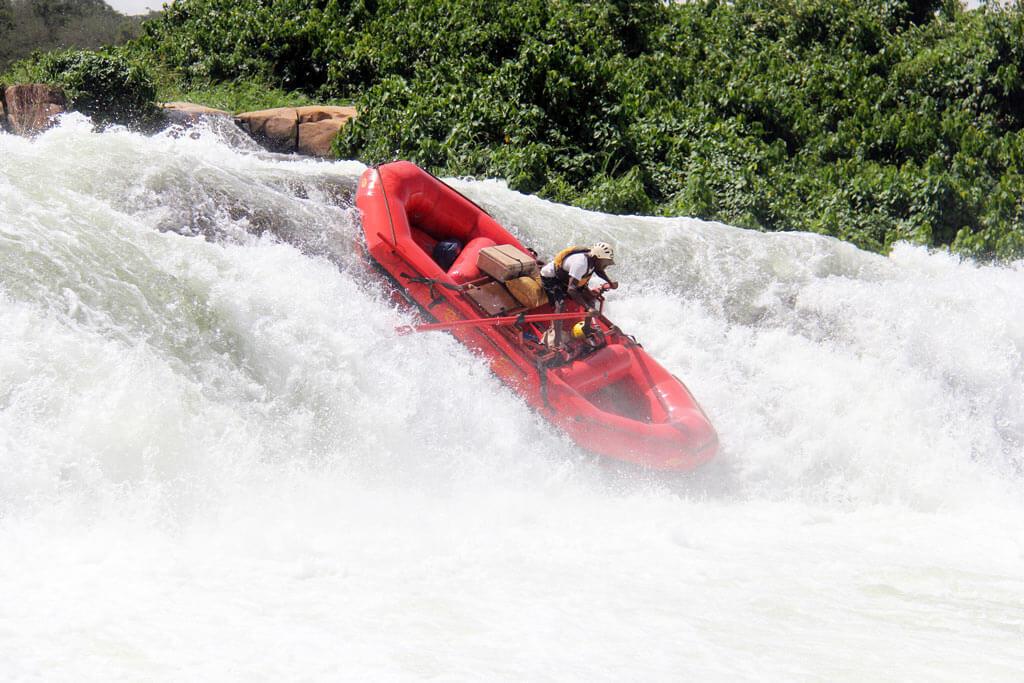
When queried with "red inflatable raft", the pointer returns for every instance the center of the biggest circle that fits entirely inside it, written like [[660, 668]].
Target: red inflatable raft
[[606, 392]]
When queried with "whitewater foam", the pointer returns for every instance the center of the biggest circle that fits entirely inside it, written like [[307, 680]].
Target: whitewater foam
[[218, 461]]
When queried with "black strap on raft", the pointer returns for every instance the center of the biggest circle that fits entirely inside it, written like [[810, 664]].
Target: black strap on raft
[[387, 205], [542, 374], [434, 283]]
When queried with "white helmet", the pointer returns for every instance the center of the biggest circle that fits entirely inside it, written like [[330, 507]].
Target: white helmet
[[603, 250]]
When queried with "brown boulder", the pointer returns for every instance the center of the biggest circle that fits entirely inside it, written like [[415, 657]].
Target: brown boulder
[[306, 130], [276, 129], [32, 107], [314, 113], [317, 139]]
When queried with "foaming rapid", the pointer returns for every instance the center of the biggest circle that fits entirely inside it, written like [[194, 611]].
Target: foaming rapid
[[218, 461]]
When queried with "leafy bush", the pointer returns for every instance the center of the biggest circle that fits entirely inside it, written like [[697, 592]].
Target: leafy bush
[[223, 40], [107, 86]]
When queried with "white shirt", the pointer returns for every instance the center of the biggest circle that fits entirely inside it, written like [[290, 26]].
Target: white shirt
[[575, 265]]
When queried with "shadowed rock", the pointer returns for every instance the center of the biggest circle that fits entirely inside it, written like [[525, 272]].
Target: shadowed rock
[[32, 108]]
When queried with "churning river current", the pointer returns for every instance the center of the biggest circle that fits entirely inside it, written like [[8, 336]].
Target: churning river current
[[219, 462]]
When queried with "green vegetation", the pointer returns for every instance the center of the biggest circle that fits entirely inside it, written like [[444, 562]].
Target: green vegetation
[[234, 96], [870, 120], [106, 86]]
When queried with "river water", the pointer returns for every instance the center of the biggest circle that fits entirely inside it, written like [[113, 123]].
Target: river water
[[218, 461]]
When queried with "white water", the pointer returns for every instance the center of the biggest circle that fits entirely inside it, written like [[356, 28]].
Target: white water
[[217, 462]]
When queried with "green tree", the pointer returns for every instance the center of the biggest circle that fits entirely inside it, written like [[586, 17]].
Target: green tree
[[50, 24]]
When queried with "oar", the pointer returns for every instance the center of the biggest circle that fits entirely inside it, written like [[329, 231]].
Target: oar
[[490, 322]]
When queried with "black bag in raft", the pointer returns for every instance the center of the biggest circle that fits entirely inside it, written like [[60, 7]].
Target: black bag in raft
[[445, 253]]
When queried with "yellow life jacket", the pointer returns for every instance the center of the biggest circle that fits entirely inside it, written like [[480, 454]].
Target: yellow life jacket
[[562, 274]]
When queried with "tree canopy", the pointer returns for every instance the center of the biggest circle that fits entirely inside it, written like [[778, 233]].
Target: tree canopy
[[29, 25]]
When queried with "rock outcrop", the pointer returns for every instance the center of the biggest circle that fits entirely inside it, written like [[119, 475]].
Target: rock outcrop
[[188, 113], [306, 130], [32, 108], [275, 129], [311, 130]]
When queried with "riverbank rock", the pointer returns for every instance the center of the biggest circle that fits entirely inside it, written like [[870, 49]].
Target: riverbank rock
[[275, 129], [186, 113], [32, 107], [306, 130]]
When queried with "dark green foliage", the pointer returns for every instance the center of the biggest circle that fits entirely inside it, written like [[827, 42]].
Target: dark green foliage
[[107, 86], [870, 120], [528, 91], [226, 40]]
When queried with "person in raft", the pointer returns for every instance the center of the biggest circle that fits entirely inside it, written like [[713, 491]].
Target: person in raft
[[567, 275]]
